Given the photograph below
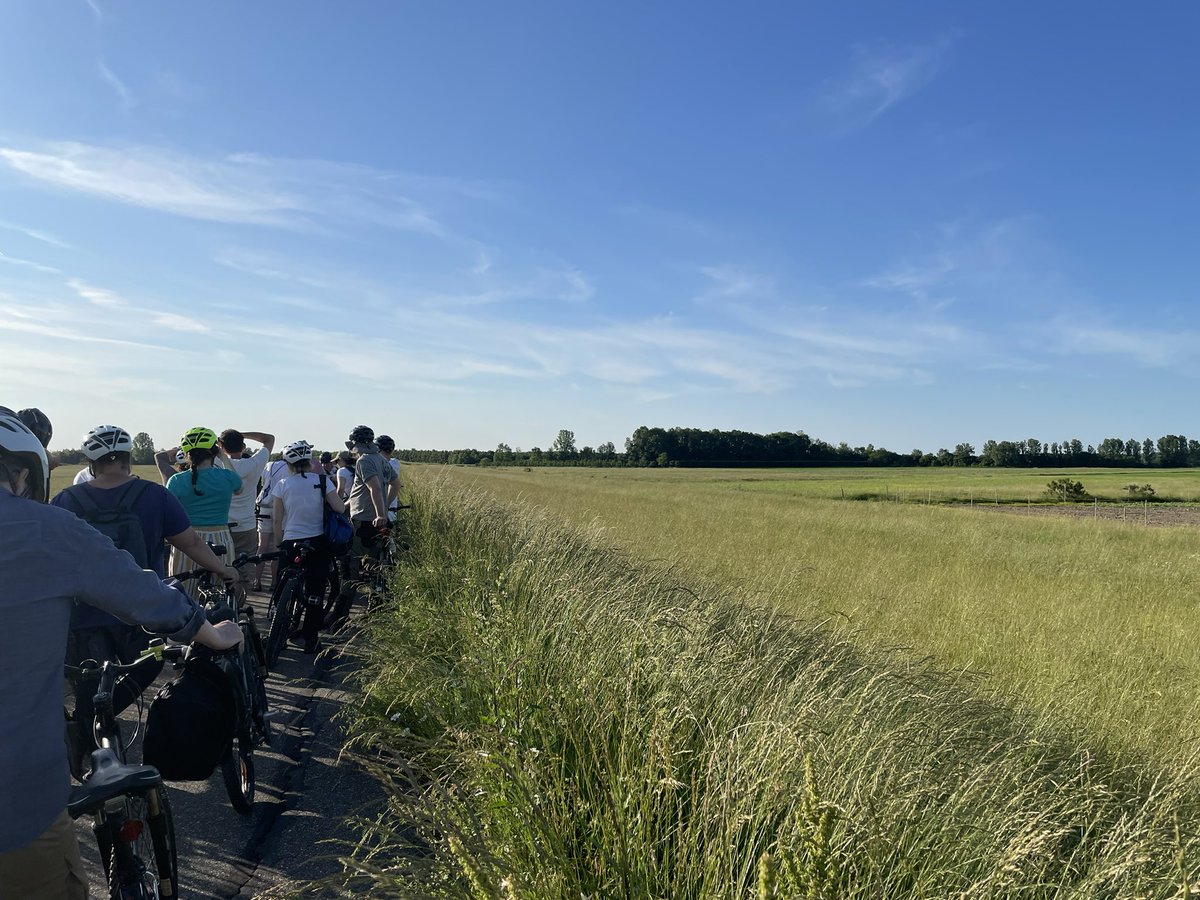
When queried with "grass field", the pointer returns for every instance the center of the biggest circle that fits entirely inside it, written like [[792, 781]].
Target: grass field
[[559, 720], [1097, 621]]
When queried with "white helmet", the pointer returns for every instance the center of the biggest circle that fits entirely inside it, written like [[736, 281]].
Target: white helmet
[[180, 457], [105, 439], [17, 439], [297, 452]]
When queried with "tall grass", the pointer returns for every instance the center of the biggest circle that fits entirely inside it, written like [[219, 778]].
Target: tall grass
[[561, 721]]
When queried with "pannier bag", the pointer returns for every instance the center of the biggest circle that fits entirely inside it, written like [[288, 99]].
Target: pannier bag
[[189, 728]]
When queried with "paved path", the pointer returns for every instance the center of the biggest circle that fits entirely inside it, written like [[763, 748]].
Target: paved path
[[305, 797]]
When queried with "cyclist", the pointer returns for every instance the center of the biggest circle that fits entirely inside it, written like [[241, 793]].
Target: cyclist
[[249, 468], [329, 466], [299, 515], [386, 448], [205, 491], [368, 514], [262, 513], [51, 559], [345, 474], [112, 493]]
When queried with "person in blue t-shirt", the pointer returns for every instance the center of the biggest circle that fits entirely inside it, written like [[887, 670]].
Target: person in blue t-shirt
[[94, 633], [205, 491]]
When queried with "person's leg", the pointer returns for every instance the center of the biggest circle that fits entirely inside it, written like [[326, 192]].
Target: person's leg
[[316, 577], [49, 868], [352, 572], [245, 543]]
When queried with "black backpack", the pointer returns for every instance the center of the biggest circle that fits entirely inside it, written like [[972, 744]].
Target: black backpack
[[189, 728], [121, 524]]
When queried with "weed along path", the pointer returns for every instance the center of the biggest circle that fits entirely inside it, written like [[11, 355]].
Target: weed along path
[[305, 801]]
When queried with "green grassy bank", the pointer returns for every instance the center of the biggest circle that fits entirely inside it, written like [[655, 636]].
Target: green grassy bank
[[561, 720]]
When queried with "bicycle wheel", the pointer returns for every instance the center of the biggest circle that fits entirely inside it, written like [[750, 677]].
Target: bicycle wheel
[[162, 840], [332, 592], [138, 851], [281, 618], [237, 771]]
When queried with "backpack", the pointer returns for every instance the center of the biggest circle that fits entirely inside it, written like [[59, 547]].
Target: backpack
[[269, 477], [121, 524], [189, 728], [338, 530]]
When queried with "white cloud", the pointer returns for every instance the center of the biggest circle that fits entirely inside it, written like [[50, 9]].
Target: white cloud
[[95, 295], [883, 74], [37, 235], [239, 189], [29, 264], [111, 79], [177, 322]]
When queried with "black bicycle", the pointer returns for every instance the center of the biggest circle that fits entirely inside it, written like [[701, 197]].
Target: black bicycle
[[130, 810], [287, 597], [245, 666]]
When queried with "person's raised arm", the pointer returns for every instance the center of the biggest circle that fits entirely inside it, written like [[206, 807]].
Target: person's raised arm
[[267, 440], [165, 460]]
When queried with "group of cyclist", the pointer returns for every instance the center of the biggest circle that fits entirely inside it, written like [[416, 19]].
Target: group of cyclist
[[69, 592]]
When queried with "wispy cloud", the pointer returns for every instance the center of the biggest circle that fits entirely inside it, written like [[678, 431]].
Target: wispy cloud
[[881, 75], [28, 264], [96, 296], [94, 6], [1155, 349], [240, 188], [37, 235], [111, 79]]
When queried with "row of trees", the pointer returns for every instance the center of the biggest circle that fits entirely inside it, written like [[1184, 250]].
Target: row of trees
[[699, 447]]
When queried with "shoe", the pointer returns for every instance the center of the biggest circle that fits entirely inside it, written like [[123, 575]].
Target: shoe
[[296, 638]]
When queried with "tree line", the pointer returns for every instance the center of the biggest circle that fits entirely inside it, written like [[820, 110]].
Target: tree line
[[696, 447]]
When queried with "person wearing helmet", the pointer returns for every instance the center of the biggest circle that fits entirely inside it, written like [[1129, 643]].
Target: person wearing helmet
[[205, 491], [51, 560], [299, 516], [368, 514], [328, 465], [345, 474], [249, 467], [112, 493], [387, 447]]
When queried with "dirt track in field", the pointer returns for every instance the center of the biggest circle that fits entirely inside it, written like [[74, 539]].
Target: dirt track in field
[[1162, 515]]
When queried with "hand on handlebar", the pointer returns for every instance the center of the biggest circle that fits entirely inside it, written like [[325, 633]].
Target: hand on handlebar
[[229, 575], [380, 521]]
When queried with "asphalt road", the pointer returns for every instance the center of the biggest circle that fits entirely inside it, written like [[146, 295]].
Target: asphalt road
[[305, 801]]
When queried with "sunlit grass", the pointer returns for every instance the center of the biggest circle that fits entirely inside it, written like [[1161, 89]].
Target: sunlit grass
[[1095, 619], [561, 720]]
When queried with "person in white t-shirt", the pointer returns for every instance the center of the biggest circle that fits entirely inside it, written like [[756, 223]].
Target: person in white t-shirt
[[387, 447], [345, 474], [298, 514], [83, 476], [272, 474], [250, 467]]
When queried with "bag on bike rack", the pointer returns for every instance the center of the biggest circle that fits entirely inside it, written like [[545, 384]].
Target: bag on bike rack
[[338, 530], [189, 728]]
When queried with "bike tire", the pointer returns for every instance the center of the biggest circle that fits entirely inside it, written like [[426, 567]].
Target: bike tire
[[333, 591], [281, 620], [237, 771], [151, 857]]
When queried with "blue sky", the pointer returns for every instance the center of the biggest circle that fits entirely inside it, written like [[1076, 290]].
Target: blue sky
[[466, 223]]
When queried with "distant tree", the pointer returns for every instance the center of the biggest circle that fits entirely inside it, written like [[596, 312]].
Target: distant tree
[[607, 449], [143, 450], [564, 444], [1148, 456], [964, 454], [1172, 450]]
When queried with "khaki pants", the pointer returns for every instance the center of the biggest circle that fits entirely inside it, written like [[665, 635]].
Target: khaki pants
[[243, 542], [49, 868]]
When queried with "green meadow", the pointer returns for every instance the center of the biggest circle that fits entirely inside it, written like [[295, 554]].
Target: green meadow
[[1096, 620]]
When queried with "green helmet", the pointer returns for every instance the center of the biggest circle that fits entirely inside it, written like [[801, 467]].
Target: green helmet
[[198, 438]]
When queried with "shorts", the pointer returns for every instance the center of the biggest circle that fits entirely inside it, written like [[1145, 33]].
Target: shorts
[[48, 868], [263, 524], [245, 542]]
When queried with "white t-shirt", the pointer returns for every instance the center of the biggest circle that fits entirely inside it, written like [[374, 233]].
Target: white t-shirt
[[241, 507], [345, 481], [271, 476], [303, 505], [83, 476]]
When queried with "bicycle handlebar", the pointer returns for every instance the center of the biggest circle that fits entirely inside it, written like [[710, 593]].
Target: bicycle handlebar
[[243, 560]]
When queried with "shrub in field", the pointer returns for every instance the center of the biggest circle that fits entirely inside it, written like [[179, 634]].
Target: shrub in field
[[557, 721], [1140, 491], [1066, 490]]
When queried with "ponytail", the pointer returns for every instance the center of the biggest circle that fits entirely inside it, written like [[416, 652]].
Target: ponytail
[[197, 456]]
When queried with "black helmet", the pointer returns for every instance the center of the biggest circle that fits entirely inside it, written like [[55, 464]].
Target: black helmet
[[37, 422], [362, 435], [326, 457], [385, 443]]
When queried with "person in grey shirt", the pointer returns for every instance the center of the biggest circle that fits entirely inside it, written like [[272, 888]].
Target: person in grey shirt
[[50, 559]]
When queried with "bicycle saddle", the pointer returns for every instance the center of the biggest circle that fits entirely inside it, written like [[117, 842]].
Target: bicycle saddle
[[110, 778]]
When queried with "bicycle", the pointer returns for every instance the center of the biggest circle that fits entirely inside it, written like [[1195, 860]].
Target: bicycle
[[287, 596], [246, 668], [131, 812]]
